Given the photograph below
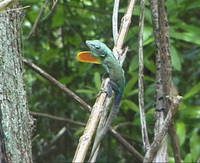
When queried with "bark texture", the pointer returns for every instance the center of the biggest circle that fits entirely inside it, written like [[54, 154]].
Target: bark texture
[[163, 73], [15, 121]]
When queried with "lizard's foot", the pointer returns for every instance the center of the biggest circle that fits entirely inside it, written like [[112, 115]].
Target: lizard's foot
[[105, 75], [107, 90]]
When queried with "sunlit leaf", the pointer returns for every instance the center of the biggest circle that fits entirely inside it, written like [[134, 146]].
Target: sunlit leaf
[[97, 80], [194, 90], [194, 145], [128, 104], [181, 131], [176, 62]]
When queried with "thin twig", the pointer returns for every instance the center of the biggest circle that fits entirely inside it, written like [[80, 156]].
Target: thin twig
[[118, 49], [49, 147], [52, 9], [130, 148], [57, 118], [37, 19], [145, 137], [115, 21], [57, 83], [125, 23], [5, 3]]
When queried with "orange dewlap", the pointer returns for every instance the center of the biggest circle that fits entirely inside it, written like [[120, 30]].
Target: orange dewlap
[[86, 56]]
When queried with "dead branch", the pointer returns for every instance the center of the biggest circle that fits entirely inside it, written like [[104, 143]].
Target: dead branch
[[159, 137], [115, 21], [57, 83], [57, 118], [145, 137], [37, 19], [5, 3]]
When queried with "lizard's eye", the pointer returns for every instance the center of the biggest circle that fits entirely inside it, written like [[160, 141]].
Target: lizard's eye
[[97, 47]]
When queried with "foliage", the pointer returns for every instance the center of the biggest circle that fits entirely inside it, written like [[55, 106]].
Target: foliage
[[61, 32]]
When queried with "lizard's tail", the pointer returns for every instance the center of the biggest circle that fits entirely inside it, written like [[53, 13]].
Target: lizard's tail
[[102, 131]]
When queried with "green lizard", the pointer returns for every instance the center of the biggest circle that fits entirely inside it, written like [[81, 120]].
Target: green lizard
[[101, 54]]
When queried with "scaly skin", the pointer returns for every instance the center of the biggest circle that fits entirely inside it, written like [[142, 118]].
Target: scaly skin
[[117, 83]]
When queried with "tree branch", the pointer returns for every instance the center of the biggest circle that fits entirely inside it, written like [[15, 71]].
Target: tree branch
[[149, 156], [93, 121], [37, 19], [115, 21], [57, 118], [167, 100], [145, 137], [5, 3], [130, 148], [86, 107], [163, 71], [57, 83]]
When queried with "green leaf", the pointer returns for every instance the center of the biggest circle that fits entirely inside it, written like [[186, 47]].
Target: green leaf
[[191, 37], [181, 131], [97, 80], [171, 160], [194, 90], [188, 158], [150, 65], [127, 104], [176, 62], [133, 65], [131, 83], [58, 18], [147, 35], [85, 91], [194, 145]]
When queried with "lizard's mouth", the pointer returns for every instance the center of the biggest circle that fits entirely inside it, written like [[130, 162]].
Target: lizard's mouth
[[86, 56]]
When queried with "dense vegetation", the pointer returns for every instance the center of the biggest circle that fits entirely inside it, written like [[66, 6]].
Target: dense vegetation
[[60, 33]]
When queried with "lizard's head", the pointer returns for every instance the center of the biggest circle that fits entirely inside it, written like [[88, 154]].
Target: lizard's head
[[97, 48], [98, 52]]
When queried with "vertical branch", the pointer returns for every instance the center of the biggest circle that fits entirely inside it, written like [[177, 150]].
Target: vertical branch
[[125, 23], [118, 50], [5, 3], [145, 138], [86, 138], [160, 93], [115, 21], [158, 139], [167, 100]]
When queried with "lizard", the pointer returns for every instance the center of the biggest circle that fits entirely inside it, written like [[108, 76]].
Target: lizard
[[100, 54]]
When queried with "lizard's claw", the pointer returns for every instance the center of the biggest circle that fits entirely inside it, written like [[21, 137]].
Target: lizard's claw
[[108, 90]]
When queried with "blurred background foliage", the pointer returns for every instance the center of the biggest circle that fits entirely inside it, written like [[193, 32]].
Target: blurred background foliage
[[61, 31]]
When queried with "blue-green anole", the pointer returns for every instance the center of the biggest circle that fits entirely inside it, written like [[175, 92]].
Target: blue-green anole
[[100, 54]]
